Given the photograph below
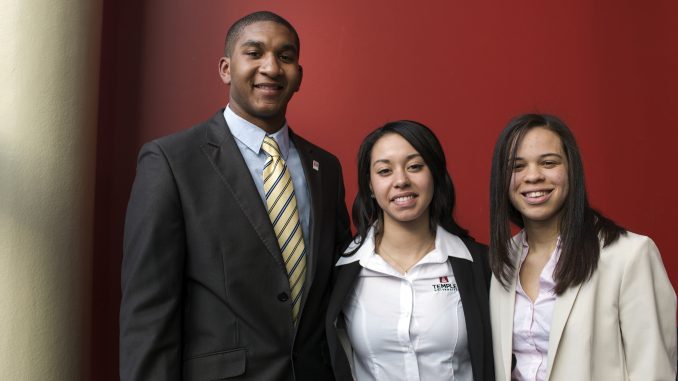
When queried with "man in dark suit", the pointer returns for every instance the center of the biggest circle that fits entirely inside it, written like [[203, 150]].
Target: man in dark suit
[[209, 289]]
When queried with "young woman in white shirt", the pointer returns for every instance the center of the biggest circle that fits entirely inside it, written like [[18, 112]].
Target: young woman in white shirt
[[574, 296], [410, 298]]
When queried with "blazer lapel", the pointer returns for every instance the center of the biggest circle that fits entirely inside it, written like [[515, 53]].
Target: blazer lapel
[[224, 155], [507, 302], [463, 274], [344, 284], [314, 183], [561, 312]]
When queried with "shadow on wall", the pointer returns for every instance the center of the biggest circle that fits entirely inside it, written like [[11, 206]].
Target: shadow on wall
[[117, 146]]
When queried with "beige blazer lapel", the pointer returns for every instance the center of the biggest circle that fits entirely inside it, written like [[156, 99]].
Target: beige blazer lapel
[[507, 306], [561, 312], [507, 303]]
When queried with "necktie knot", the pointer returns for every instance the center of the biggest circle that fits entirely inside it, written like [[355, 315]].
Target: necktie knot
[[270, 147]]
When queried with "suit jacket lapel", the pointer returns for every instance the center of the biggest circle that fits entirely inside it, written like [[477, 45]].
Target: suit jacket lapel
[[343, 285], [314, 183], [507, 303], [224, 155], [463, 274], [561, 312]]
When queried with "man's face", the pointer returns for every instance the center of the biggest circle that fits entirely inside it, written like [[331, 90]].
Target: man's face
[[263, 73]]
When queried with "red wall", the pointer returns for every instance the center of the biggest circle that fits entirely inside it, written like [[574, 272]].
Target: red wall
[[609, 68]]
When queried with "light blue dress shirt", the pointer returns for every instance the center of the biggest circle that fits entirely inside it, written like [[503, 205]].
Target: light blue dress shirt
[[249, 139]]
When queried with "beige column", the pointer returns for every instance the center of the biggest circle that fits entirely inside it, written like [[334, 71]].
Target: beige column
[[49, 75]]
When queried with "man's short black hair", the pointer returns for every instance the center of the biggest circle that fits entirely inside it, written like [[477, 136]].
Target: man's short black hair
[[236, 29]]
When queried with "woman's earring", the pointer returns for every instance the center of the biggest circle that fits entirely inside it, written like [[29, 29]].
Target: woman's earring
[[372, 195]]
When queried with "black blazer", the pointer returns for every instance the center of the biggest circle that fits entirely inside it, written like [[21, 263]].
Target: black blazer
[[473, 280], [205, 294]]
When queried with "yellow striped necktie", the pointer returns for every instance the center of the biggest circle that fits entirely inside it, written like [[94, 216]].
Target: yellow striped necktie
[[282, 210]]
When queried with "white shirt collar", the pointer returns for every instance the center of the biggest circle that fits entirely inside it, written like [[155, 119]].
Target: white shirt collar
[[446, 245], [253, 136]]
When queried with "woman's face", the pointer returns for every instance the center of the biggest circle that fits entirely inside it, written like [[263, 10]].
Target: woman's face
[[539, 184], [400, 180]]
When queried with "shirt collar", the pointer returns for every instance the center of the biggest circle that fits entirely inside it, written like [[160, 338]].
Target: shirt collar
[[446, 245], [521, 241], [252, 136]]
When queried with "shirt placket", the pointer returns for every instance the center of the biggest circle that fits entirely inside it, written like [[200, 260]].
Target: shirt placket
[[533, 342], [404, 322]]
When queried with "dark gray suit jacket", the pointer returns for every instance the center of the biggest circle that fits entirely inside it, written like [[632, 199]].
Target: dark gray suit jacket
[[473, 279], [205, 290]]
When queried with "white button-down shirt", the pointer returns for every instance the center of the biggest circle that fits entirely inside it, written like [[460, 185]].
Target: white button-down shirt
[[532, 321], [408, 326]]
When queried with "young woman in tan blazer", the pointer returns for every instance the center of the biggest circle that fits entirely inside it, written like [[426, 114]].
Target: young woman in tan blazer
[[573, 296]]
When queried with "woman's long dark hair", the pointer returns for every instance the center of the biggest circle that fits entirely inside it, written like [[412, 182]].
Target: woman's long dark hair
[[366, 211], [581, 227]]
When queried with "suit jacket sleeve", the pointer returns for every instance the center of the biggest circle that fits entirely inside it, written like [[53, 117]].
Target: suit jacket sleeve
[[152, 273], [648, 316]]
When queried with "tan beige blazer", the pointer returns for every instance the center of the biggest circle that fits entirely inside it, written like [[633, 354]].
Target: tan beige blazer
[[619, 325]]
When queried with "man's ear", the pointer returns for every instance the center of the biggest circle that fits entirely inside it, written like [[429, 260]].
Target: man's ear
[[225, 70]]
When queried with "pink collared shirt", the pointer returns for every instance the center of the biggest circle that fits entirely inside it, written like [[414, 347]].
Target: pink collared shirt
[[532, 321]]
